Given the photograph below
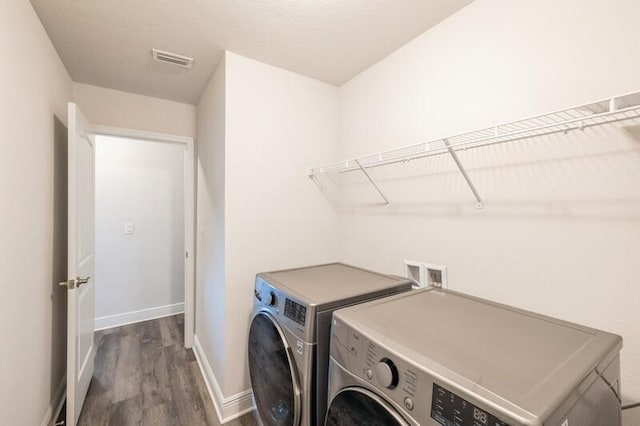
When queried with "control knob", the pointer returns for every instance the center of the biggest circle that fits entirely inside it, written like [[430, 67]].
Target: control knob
[[271, 298], [387, 373]]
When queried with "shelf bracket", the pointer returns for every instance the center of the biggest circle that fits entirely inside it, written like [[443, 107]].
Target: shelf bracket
[[386, 200], [479, 202]]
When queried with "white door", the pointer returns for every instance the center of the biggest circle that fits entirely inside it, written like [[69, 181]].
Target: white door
[[80, 264]]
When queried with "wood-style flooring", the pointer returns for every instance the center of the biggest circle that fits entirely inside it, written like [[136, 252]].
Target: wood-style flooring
[[144, 376]]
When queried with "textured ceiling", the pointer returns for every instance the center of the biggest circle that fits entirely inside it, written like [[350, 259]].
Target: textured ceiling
[[108, 42]]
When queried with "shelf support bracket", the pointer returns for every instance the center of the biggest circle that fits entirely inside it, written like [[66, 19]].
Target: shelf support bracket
[[386, 200], [479, 202]]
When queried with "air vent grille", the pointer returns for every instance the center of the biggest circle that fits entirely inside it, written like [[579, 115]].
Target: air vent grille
[[172, 58]]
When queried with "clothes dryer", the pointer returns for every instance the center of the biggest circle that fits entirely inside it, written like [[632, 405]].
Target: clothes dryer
[[289, 335], [436, 357]]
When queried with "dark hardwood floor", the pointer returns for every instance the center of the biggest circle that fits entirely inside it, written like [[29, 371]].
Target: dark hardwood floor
[[144, 376]]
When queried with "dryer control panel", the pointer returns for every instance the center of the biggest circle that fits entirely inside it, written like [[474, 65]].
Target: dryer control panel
[[295, 311], [289, 312]]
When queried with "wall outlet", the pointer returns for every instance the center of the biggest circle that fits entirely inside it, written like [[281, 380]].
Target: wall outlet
[[436, 275]]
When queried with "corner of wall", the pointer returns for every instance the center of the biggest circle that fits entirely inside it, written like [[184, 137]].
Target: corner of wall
[[55, 407], [228, 408], [210, 230]]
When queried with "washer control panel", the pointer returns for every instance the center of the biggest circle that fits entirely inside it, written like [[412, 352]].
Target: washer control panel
[[448, 408], [393, 377], [412, 390]]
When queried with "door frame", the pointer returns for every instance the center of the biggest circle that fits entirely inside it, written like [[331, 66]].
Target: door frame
[[189, 212]]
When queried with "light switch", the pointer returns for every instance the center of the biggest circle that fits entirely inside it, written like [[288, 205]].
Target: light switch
[[129, 228]]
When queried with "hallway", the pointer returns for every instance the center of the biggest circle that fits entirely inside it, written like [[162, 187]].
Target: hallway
[[144, 376]]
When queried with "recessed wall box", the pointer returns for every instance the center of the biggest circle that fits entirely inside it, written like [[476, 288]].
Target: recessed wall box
[[436, 275], [415, 271]]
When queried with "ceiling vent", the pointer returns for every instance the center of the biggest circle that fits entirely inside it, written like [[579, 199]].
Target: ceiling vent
[[172, 58]]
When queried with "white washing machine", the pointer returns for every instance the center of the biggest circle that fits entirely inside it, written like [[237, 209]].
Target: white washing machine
[[289, 335], [436, 357]]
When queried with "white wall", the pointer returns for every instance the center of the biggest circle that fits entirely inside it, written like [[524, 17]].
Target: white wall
[[115, 108], [35, 89], [277, 125], [560, 230], [139, 182], [274, 125], [210, 225]]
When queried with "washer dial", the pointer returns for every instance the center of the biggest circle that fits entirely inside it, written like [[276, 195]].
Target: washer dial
[[387, 373]]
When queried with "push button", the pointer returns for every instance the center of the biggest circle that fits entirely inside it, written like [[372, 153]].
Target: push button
[[368, 374], [353, 342], [408, 403]]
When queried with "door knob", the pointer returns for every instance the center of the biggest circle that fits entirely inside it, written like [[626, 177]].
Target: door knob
[[68, 283], [73, 283]]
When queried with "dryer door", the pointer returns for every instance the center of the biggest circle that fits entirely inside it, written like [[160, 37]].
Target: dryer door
[[356, 406], [275, 383]]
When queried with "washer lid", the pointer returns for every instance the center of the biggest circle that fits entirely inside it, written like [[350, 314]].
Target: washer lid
[[333, 284], [498, 353]]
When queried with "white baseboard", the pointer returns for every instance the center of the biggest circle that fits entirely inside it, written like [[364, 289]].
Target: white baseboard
[[56, 403], [227, 408], [137, 316]]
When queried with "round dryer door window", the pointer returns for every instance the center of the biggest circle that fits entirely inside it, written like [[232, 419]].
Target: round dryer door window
[[356, 407], [273, 378]]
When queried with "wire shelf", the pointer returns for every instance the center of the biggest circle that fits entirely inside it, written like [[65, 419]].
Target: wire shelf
[[612, 110]]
